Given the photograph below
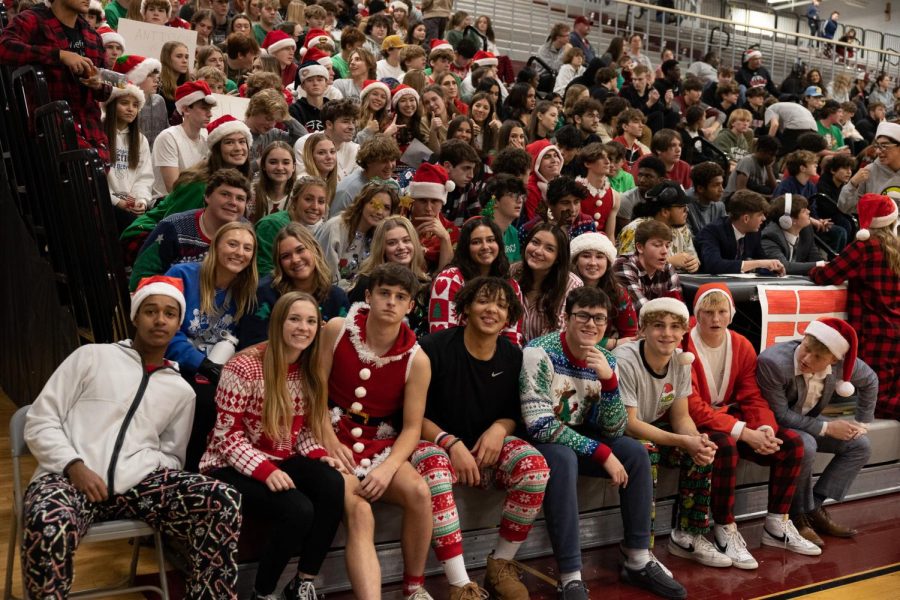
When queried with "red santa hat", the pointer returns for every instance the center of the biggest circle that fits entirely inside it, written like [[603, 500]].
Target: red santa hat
[[751, 53], [314, 38], [371, 84], [441, 45], [316, 55], [840, 339], [431, 181], [875, 211], [311, 68], [278, 40], [593, 241], [538, 150], [158, 285], [110, 36], [129, 89], [403, 90], [136, 68], [225, 126], [675, 307], [484, 59], [398, 5], [714, 288], [190, 92]]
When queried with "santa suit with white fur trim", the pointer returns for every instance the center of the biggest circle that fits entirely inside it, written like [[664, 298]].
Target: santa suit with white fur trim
[[723, 412], [366, 391]]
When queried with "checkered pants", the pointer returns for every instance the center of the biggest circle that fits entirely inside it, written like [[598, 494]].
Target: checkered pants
[[784, 469], [691, 511], [203, 512], [521, 470]]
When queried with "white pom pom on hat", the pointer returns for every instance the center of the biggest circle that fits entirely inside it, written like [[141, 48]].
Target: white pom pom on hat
[[875, 211], [685, 358]]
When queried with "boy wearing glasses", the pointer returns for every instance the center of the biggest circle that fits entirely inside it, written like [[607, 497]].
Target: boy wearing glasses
[[572, 411], [655, 382], [882, 176]]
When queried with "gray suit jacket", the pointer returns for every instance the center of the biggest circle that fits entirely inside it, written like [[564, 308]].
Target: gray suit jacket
[[806, 253], [785, 391]]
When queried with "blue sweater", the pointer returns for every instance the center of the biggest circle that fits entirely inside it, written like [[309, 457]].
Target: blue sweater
[[199, 331]]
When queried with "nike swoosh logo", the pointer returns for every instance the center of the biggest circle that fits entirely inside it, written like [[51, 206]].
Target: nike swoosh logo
[[497, 373], [780, 538], [688, 548], [720, 547]]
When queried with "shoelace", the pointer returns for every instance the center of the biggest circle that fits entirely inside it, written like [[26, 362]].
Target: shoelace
[[472, 591], [420, 594], [509, 569], [732, 536], [306, 591]]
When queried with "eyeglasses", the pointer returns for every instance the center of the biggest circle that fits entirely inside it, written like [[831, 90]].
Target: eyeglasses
[[584, 317], [879, 147]]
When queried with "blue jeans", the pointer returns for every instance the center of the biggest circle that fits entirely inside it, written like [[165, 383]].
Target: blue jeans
[[561, 497]]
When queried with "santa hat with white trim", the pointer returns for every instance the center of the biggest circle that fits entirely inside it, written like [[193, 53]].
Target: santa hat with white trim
[[168, 8], [371, 84], [97, 6], [278, 40], [129, 89], [538, 150], [398, 5], [431, 181], [403, 90], [593, 241], [136, 68], [316, 55], [840, 338], [749, 54], [483, 58], [225, 126], [675, 307], [311, 68], [110, 36], [190, 92], [158, 285], [875, 212], [441, 45], [714, 288], [314, 38]]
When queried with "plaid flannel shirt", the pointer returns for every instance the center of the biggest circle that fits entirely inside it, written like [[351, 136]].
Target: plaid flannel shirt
[[643, 287], [35, 37]]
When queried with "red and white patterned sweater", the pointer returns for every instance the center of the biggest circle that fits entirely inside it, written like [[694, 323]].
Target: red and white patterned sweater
[[238, 440]]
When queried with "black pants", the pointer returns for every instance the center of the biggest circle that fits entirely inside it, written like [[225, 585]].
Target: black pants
[[304, 520], [204, 421]]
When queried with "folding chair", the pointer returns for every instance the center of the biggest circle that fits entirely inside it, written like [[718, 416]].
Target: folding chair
[[98, 532]]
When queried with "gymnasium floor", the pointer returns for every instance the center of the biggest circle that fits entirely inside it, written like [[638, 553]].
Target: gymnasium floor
[[871, 560]]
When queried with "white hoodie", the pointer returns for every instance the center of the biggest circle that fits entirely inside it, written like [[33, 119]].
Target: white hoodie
[[137, 183], [85, 404]]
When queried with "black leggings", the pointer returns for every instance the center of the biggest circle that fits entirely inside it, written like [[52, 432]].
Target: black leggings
[[303, 520]]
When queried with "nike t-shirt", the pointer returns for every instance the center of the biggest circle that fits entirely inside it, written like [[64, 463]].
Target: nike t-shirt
[[467, 395]]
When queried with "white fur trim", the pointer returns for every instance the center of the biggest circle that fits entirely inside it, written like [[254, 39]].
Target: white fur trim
[[404, 92], [717, 291], [487, 62], [280, 45], [186, 101], [425, 189], [143, 70], [312, 71], [537, 162], [685, 358], [884, 220], [226, 129], [157, 288], [399, 5], [669, 305], [380, 85], [863, 234], [129, 90], [319, 39], [96, 5], [844, 389], [144, 7], [593, 241], [362, 470], [831, 337], [362, 350], [112, 37], [444, 46]]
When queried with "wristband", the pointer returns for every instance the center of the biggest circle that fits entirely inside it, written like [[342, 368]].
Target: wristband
[[453, 443], [439, 437]]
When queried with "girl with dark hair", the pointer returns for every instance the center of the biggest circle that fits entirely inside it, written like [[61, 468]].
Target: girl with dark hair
[[271, 407], [545, 280], [512, 135], [479, 253], [130, 177], [461, 128], [614, 52], [520, 102], [450, 84], [439, 113], [543, 121], [486, 125], [593, 255], [409, 123], [277, 173], [491, 87]]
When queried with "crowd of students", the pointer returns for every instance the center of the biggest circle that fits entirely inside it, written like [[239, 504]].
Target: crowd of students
[[407, 269]]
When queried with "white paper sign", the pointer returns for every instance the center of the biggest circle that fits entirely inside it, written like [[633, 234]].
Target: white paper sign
[[147, 39], [229, 105]]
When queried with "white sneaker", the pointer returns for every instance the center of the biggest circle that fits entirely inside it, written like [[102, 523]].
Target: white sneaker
[[420, 594], [789, 538], [697, 548], [731, 543]]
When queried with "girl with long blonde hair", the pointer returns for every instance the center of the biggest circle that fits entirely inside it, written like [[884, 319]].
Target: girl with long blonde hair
[[320, 160], [299, 266], [271, 405], [277, 174]]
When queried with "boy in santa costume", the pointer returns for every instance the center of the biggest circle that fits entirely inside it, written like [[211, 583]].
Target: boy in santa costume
[[725, 404], [655, 382], [377, 387], [799, 379]]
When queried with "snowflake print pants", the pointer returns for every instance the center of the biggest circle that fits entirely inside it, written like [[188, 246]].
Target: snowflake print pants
[[520, 470], [201, 511]]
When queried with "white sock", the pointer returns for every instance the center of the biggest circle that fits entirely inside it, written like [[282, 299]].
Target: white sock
[[455, 570], [773, 522], [719, 532], [566, 578], [636, 558], [506, 550], [681, 537]]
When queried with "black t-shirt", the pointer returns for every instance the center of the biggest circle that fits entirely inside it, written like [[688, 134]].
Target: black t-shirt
[[467, 395], [76, 40]]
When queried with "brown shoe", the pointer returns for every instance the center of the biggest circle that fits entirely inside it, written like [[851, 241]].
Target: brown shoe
[[806, 530], [470, 591], [504, 580], [820, 520]]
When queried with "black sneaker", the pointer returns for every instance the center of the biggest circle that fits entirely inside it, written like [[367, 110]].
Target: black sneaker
[[653, 579], [574, 590]]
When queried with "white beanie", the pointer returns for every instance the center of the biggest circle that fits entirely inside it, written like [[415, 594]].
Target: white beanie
[[593, 241]]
